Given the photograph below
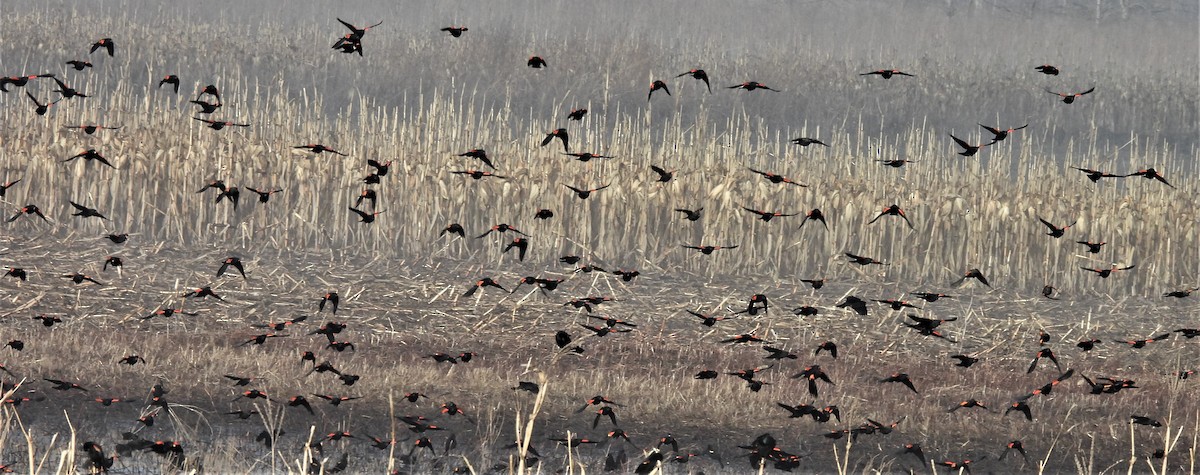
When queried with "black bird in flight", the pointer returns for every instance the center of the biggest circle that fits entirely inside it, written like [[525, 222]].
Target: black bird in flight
[[106, 43], [5, 186], [774, 178], [1104, 273], [815, 215], [700, 75], [968, 149], [79, 65], [1047, 70], [28, 209], [220, 125], [577, 114], [1055, 231], [560, 134], [863, 260], [41, 108], [170, 79], [972, 274], [806, 141], [887, 73], [234, 262], [363, 216], [1096, 175], [536, 62], [85, 212], [455, 31], [893, 210], [317, 148], [1001, 134], [752, 85], [708, 250], [1069, 97], [656, 85], [1151, 174], [89, 155]]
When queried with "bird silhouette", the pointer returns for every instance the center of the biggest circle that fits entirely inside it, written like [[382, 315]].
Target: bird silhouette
[[41, 109], [774, 178], [234, 262], [1055, 231], [482, 155], [455, 31], [862, 260], [1069, 97], [219, 125], [171, 80], [968, 149], [1096, 175], [560, 134], [106, 43], [751, 86], [1047, 70], [1104, 273], [1151, 174], [708, 250], [365, 217], [806, 141], [89, 155], [318, 149], [85, 212], [79, 65], [657, 85], [893, 210], [698, 74], [972, 274], [1001, 134], [887, 73], [577, 114]]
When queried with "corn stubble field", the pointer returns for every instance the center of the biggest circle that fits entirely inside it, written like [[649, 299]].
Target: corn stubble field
[[419, 97]]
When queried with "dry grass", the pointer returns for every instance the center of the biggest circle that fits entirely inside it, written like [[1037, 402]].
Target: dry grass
[[420, 98]]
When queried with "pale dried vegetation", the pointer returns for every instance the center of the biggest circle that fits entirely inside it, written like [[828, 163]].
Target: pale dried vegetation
[[419, 97]]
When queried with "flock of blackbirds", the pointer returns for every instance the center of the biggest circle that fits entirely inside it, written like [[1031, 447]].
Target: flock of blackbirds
[[762, 450]]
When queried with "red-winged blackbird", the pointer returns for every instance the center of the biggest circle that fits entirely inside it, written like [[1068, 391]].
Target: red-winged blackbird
[[1087, 345], [690, 215], [806, 141], [89, 155], [132, 360], [887, 73], [626, 275], [1048, 292], [1143, 420], [815, 215], [66, 91], [483, 282], [1143, 343], [263, 196], [260, 339], [206, 107], [1092, 247], [896, 304], [657, 85], [698, 74], [1181, 293], [965, 361], [1069, 97], [577, 114], [16, 273], [47, 320], [501, 228], [477, 174], [79, 65], [85, 212], [862, 260], [743, 338], [1096, 175], [969, 403], [752, 85], [768, 215], [365, 217], [854, 303], [232, 193], [707, 320], [1047, 70], [1104, 273], [829, 346], [300, 401], [900, 378], [106, 43], [234, 262], [332, 299], [202, 292], [90, 128], [479, 154], [455, 31], [663, 174], [19, 81], [1151, 174], [812, 374], [218, 124], [560, 134], [4, 187], [584, 194], [774, 178], [64, 385], [317, 148], [931, 297], [968, 149], [1043, 353], [897, 163], [1001, 134], [171, 79], [972, 274], [41, 109], [537, 62], [1055, 231], [78, 278], [708, 250]]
